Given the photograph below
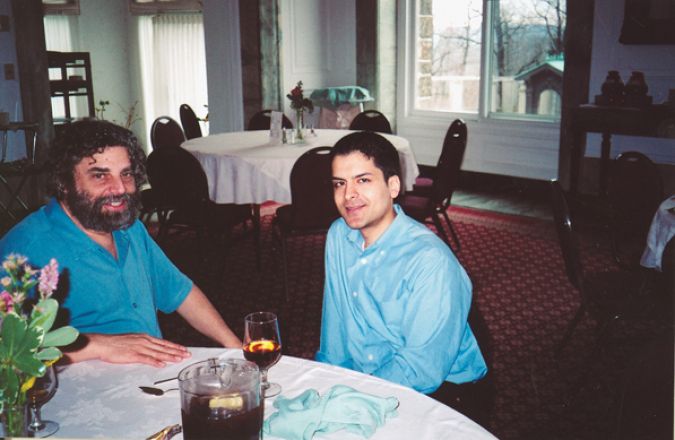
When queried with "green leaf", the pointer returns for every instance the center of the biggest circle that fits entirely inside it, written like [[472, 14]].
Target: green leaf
[[61, 336], [10, 383], [49, 354], [44, 314], [13, 331], [29, 364]]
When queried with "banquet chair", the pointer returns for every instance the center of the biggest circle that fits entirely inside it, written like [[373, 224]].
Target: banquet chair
[[190, 123], [607, 296], [634, 194], [435, 200], [312, 209], [178, 180], [166, 133], [263, 119], [371, 120]]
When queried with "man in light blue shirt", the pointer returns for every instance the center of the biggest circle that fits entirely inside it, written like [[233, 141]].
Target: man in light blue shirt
[[113, 276], [396, 299]]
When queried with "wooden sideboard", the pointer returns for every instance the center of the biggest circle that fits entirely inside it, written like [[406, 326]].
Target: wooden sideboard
[[651, 121]]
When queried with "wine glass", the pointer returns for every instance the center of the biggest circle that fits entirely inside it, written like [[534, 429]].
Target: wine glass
[[262, 345], [43, 390]]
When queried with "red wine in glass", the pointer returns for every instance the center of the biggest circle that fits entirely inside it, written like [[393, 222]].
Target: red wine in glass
[[262, 345]]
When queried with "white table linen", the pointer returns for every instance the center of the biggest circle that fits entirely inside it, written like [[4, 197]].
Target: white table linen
[[245, 167], [661, 232], [95, 399]]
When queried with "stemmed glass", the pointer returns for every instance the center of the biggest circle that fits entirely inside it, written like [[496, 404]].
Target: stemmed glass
[[43, 390], [262, 345]]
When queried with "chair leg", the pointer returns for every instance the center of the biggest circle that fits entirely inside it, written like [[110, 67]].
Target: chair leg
[[453, 232], [570, 329], [284, 265], [440, 231]]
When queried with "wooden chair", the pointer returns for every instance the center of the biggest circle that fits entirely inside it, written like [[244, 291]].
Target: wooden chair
[[433, 201], [312, 209], [190, 122], [166, 133], [371, 120], [263, 119]]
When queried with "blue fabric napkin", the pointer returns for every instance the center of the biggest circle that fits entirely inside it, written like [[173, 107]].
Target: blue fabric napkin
[[341, 407]]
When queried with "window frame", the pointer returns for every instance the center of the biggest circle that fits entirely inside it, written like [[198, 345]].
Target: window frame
[[161, 6], [69, 7], [408, 71]]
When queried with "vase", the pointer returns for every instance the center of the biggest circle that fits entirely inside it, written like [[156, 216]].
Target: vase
[[612, 88], [299, 125], [14, 421]]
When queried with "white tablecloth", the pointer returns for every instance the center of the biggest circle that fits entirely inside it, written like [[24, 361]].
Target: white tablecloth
[[661, 232], [95, 399], [244, 167]]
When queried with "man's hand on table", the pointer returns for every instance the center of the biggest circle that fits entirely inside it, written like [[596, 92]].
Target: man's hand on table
[[131, 348]]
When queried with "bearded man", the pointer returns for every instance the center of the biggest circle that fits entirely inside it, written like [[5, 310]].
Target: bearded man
[[114, 276]]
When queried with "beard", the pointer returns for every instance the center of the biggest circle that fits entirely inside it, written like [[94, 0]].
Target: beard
[[90, 213]]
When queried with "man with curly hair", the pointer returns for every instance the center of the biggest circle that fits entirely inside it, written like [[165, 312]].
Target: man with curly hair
[[114, 276]]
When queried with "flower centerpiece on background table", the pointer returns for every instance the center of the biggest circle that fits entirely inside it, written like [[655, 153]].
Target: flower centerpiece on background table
[[28, 345], [299, 103]]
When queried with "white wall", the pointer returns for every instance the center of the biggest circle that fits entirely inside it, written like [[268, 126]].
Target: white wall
[[10, 92], [318, 39], [656, 61]]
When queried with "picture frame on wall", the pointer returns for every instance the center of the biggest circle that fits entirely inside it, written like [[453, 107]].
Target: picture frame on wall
[[648, 22]]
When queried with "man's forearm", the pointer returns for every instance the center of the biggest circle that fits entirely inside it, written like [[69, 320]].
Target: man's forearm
[[200, 314]]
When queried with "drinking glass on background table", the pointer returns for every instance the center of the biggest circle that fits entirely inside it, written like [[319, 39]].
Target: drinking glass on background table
[[262, 345], [43, 390]]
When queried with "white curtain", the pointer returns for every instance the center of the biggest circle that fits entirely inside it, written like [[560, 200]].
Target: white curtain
[[173, 64]]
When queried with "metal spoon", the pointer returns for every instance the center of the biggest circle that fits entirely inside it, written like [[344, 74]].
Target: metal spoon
[[156, 391]]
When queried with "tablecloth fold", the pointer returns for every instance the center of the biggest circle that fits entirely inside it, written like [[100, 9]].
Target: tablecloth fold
[[341, 407]]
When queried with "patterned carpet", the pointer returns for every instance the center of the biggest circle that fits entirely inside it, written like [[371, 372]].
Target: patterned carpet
[[519, 283]]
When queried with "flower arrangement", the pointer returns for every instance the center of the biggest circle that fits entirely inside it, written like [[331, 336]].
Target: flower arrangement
[[298, 100], [299, 103], [28, 345]]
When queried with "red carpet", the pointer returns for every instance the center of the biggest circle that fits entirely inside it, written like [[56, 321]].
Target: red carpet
[[519, 282]]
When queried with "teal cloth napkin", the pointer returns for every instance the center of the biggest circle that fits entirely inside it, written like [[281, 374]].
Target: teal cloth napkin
[[333, 97], [341, 407]]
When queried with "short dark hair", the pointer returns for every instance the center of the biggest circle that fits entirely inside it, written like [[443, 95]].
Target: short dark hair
[[80, 139], [373, 146]]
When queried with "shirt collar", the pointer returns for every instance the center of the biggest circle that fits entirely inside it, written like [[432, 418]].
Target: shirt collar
[[63, 223]]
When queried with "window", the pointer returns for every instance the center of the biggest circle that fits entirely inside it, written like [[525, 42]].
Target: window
[[489, 57], [66, 7]]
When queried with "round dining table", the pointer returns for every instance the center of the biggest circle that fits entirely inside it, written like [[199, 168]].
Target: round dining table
[[248, 167], [97, 399]]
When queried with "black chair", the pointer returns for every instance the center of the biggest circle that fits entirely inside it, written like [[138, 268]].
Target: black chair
[[609, 296], [166, 133], [312, 209], [178, 180], [371, 120], [263, 119], [634, 194], [435, 201], [190, 122]]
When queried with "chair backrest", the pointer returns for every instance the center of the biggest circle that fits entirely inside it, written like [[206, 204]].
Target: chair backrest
[[569, 244], [177, 178], [263, 119], [166, 133], [450, 162], [312, 192], [190, 123], [371, 120], [634, 193]]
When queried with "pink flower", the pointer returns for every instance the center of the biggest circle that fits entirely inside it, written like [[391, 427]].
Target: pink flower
[[49, 278], [6, 301]]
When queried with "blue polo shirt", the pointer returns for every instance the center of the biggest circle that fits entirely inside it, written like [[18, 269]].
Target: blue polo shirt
[[102, 294]]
